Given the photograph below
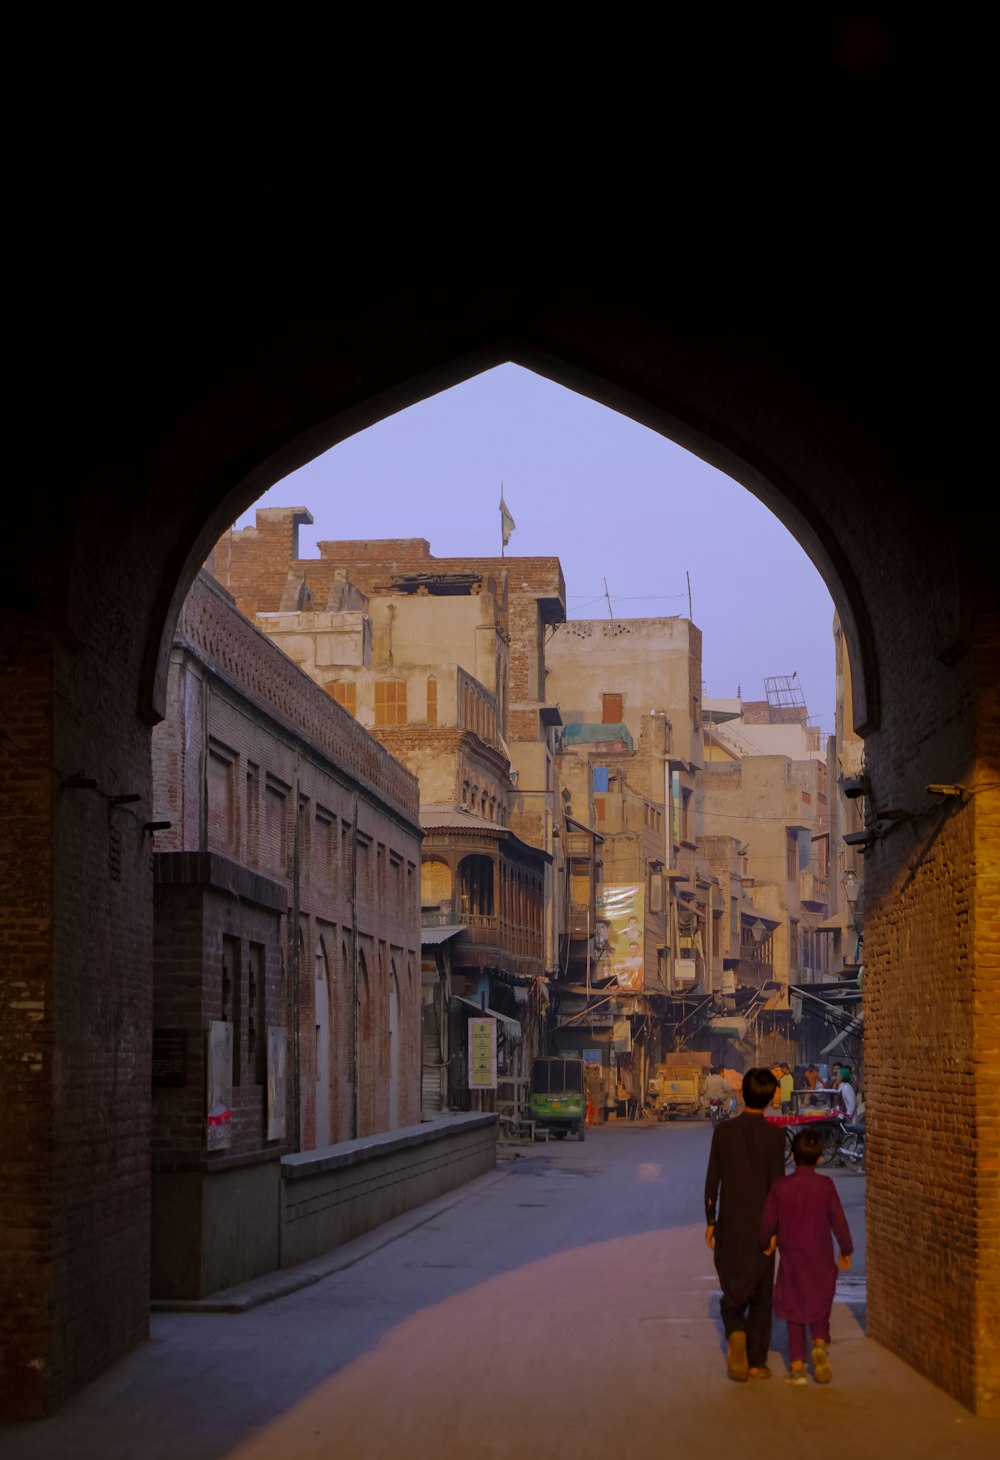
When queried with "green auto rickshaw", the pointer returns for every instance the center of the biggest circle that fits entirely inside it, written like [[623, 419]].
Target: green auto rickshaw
[[559, 1096]]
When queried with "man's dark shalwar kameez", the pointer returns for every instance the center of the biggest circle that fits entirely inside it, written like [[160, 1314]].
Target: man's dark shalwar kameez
[[747, 1157]]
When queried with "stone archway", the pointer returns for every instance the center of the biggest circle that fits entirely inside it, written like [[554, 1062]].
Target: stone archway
[[825, 439]]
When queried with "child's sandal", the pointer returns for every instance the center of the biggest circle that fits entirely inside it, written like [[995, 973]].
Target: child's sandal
[[821, 1364]]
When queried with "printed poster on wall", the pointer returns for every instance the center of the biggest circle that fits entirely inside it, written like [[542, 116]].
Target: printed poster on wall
[[219, 1093], [276, 1046], [482, 1054], [620, 920]]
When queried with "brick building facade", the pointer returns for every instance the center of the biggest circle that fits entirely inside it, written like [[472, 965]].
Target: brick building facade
[[287, 920], [442, 659]]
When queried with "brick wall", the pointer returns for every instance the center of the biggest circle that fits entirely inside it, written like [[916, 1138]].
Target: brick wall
[[27, 1030], [931, 1029], [258, 764], [253, 564]]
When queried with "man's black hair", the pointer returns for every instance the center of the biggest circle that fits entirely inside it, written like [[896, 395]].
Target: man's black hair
[[807, 1147], [759, 1086]]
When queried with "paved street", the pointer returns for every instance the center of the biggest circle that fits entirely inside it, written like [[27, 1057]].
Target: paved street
[[565, 1305]]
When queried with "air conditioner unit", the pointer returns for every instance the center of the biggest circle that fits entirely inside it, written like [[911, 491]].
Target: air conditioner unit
[[685, 972]]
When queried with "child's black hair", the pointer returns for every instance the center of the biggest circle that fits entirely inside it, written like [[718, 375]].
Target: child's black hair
[[807, 1147]]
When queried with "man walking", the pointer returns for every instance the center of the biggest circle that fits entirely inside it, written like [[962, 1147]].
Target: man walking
[[786, 1085], [746, 1158]]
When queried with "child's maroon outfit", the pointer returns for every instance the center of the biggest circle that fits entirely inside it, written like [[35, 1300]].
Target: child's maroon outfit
[[805, 1212]]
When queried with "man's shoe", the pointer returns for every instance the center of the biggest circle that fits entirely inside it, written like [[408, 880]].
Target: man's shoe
[[796, 1374], [759, 1371], [736, 1361], [821, 1363]]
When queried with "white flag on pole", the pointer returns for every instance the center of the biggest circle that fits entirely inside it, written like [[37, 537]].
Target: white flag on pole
[[507, 523]]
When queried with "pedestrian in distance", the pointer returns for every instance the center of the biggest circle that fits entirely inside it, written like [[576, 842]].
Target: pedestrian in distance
[[746, 1158], [786, 1084], [734, 1080], [847, 1093], [802, 1216], [716, 1085]]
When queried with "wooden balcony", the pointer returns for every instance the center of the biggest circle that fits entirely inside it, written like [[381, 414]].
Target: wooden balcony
[[814, 891]]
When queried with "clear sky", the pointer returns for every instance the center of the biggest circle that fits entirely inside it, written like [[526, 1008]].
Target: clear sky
[[614, 501]]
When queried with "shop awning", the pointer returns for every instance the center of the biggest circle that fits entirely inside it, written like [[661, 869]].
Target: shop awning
[[513, 1027], [431, 936]]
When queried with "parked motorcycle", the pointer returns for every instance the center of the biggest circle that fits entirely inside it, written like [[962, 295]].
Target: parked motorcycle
[[851, 1149], [718, 1110]]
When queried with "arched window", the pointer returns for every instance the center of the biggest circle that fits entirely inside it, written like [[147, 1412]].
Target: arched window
[[345, 692], [390, 702], [476, 886], [322, 1053], [393, 1049], [435, 881]]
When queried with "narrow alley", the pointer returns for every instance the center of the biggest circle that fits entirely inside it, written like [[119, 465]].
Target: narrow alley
[[563, 1305]]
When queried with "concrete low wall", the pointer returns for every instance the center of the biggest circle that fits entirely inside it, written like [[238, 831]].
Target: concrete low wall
[[213, 1229], [332, 1195]]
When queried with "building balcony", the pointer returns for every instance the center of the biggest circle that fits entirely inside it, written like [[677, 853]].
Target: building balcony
[[752, 974], [814, 891], [490, 941]]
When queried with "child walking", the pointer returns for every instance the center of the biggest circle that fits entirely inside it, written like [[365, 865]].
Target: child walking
[[801, 1217]]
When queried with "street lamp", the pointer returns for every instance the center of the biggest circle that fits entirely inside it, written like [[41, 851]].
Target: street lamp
[[850, 882]]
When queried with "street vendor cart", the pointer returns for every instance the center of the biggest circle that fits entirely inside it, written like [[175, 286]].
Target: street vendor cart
[[819, 1108]]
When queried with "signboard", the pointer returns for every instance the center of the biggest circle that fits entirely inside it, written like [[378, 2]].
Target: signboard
[[276, 1052], [482, 1054], [619, 930], [219, 1089]]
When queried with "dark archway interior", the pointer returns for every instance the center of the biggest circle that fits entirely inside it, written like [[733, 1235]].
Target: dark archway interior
[[160, 392]]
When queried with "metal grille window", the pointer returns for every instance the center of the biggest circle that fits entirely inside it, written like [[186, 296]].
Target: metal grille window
[[390, 702], [345, 693]]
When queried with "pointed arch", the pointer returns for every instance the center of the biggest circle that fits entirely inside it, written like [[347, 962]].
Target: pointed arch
[[394, 1047], [323, 1045]]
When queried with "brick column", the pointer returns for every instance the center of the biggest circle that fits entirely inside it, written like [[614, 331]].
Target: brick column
[[932, 1038], [26, 1026], [75, 1021]]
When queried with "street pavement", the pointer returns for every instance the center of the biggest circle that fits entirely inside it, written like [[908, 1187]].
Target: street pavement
[[564, 1305]]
